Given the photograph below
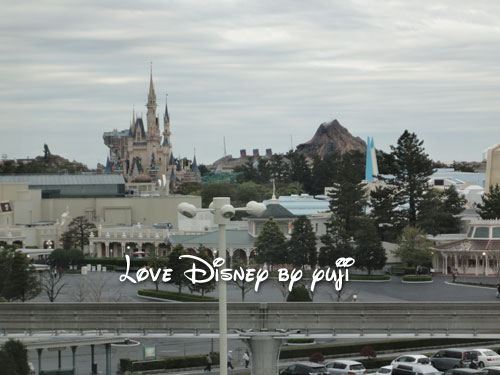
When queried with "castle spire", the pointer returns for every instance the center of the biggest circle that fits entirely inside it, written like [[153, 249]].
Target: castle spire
[[152, 95], [153, 128]]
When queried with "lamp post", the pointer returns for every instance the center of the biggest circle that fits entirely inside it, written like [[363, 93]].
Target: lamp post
[[484, 263], [223, 212]]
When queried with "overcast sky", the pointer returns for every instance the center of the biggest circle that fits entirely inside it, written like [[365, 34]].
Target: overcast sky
[[259, 73]]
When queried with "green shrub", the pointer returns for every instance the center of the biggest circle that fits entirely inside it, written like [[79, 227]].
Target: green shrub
[[402, 270], [412, 278], [299, 294], [369, 277], [355, 348], [182, 297], [125, 364]]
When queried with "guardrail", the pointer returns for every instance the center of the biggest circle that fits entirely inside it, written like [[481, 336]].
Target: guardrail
[[359, 318]]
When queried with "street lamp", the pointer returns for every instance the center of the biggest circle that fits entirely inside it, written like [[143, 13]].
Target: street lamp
[[484, 263], [223, 212]]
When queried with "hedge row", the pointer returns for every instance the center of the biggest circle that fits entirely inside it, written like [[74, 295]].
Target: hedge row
[[369, 277], [116, 262], [182, 297], [399, 345], [402, 270], [167, 363], [417, 278]]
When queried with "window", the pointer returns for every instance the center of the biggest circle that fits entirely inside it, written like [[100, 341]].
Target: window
[[469, 234], [496, 232], [339, 365], [482, 232]]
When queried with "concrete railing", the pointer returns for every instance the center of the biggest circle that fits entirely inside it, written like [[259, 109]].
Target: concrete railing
[[353, 317]]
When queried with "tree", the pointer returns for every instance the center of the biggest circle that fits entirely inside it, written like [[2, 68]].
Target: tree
[[52, 285], [412, 167], [243, 285], [299, 294], [63, 258], [178, 266], [15, 355], [369, 252], [414, 248], [20, 283], [77, 234], [368, 351], [384, 212], [208, 286], [302, 243], [157, 263], [438, 211], [299, 169], [489, 209], [271, 244]]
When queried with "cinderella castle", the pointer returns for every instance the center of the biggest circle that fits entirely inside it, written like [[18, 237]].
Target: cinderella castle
[[144, 154]]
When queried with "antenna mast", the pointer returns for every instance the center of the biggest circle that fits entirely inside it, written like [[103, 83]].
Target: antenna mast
[[225, 146]]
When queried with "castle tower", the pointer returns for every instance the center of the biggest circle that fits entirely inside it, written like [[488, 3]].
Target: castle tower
[[152, 125], [166, 126]]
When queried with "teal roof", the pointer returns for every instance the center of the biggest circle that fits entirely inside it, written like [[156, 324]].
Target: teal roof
[[233, 238]]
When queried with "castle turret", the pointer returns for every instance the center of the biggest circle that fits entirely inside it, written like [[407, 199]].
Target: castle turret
[[153, 129], [166, 126]]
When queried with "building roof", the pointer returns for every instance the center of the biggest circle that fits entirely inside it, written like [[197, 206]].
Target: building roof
[[64, 179], [116, 133], [233, 238], [303, 204], [276, 211]]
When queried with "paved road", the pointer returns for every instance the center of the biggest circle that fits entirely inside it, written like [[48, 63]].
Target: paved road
[[107, 287]]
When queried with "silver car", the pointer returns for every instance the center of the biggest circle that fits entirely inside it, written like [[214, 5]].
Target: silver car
[[345, 367]]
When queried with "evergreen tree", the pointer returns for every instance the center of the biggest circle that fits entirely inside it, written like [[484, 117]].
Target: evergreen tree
[[179, 266], [348, 196], [77, 234], [489, 209], [369, 253], [384, 213], [299, 294], [438, 211], [324, 172], [271, 244], [336, 243], [412, 167], [300, 170], [414, 248], [302, 244], [20, 283], [16, 356]]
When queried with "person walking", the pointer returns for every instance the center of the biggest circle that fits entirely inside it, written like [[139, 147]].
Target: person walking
[[229, 360], [246, 358], [208, 361]]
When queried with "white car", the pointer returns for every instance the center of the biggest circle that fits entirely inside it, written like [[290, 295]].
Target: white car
[[412, 359], [345, 367], [384, 370], [487, 358]]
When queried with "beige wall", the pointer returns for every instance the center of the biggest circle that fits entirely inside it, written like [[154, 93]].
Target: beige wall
[[492, 168], [25, 202], [146, 210]]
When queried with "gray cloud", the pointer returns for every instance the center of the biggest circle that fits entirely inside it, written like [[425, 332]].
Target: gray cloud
[[256, 72]]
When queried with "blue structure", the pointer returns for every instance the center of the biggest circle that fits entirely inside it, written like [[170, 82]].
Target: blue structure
[[371, 170]]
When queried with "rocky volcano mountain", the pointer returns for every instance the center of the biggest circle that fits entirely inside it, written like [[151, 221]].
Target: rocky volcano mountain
[[331, 137]]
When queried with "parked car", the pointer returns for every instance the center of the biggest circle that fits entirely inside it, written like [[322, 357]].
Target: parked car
[[412, 358], [487, 358], [453, 358], [464, 371], [493, 370], [384, 370], [305, 368], [414, 369], [345, 367]]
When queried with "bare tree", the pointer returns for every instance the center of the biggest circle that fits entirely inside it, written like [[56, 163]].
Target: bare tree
[[244, 285], [96, 287], [495, 256], [80, 291], [52, 285]]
